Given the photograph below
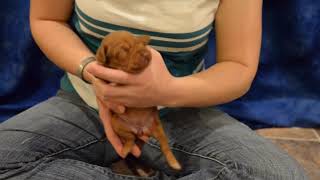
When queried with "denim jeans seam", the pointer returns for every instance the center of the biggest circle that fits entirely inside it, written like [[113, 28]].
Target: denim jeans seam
[[217, 176], [123, 176], [87, 143], [236, 169], [108, 171], [191, 153], [73, 124], [19, 130]]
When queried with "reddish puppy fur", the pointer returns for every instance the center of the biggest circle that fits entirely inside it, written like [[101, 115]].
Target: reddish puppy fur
[[121, 50]]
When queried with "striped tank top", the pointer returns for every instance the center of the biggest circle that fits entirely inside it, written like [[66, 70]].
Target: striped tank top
[[179, 30]]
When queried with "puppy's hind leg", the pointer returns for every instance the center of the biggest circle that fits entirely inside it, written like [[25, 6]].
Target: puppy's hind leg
[[160, 135], [129, 140]]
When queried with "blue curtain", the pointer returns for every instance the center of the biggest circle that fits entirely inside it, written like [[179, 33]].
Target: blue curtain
[[26, 76], [286, 91]]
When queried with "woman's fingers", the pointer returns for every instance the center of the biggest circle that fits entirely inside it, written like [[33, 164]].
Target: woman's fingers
[[115, 107], [113, 138], [109, 75], [107, 90], [136, 151]]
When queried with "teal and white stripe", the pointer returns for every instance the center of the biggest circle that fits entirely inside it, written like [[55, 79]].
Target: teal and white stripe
[[162, 16], [169, 42]]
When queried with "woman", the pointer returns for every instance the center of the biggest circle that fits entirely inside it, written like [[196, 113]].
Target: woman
[[63, 137]]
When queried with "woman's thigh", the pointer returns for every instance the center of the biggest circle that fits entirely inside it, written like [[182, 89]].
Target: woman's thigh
[[62, 127], [211, 145]]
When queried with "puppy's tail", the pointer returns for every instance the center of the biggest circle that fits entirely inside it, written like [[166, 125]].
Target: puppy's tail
[[172, 161], [160, 135]]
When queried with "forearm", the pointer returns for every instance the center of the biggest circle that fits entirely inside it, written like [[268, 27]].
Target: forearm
[[238, 41], [59, 43], [222, 83]]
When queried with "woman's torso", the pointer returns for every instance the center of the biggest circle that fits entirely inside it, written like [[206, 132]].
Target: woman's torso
[[179, 30]]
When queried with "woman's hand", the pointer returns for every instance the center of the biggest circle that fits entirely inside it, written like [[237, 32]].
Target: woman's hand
[[105, 116], [146, 89], [115, 107], [105, 112]]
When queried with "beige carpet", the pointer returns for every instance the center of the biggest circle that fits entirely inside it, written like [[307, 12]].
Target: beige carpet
[[303, 144]]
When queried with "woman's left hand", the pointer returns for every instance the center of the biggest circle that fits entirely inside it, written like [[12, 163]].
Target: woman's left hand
[[146, 89]]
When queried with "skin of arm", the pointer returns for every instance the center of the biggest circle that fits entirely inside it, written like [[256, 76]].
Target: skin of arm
[[50, 30], [49, 23], [238, 39]]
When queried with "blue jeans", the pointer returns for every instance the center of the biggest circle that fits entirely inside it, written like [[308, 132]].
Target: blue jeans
[[62, 138]]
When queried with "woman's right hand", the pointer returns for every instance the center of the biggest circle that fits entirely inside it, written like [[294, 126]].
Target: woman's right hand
[[105, 108], [114, 139]]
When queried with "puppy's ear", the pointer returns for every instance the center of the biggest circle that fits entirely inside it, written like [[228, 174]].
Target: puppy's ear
[[101, 54], [144, 39]]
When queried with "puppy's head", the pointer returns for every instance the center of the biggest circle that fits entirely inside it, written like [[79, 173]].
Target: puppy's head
[[121, 50]]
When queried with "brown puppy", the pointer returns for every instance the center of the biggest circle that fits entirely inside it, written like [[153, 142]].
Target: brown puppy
[[121, 50]]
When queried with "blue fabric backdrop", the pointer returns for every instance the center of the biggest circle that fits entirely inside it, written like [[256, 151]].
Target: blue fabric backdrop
[[26, 77], [286, 91]]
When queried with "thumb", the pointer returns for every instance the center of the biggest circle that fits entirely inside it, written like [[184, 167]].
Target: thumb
[[115, 107]]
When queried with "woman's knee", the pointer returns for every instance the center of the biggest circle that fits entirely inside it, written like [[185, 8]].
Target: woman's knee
[[267, 163], [266, 171], [279, 170], [19, 147], [24, 144]]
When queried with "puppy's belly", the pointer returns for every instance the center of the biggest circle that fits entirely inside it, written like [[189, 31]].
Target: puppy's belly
[[137, 120]]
